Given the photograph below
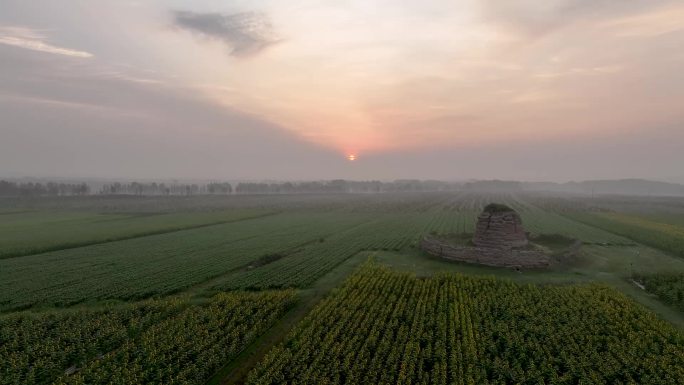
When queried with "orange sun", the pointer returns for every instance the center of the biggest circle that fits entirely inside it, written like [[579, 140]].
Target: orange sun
[[351, 157]]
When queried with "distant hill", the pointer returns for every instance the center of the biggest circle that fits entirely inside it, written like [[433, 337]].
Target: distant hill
[[612, 187], [596, 187]]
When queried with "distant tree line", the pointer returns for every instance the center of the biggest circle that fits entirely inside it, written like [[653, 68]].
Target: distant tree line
[[13, 189], [315, 187], [494, 186], [337, 186], [136, 188], [343, 186]]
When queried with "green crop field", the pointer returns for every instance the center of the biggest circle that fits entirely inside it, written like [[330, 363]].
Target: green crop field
[[341, 192], [158, 264], [152, 342], [33, 232], [235, 289], [649, 231], [386, 327], [669, 287]]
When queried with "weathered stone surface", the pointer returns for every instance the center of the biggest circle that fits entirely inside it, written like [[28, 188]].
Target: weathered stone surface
[[500, 229], [499, 240], [489, 256]]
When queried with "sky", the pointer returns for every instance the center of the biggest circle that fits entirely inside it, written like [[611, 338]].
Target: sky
[[262, 89]]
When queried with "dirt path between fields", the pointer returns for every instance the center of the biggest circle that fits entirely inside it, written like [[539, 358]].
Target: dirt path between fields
[[640, 286], [237, 370]]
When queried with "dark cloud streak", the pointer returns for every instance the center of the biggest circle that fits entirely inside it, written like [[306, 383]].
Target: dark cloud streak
[[245, 33]]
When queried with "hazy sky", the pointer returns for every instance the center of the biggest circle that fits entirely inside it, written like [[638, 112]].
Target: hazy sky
[[515, 89]]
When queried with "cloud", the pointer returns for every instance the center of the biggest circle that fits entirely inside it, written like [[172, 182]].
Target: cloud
[[654, 23], [534, 19], [80, 107], [32, 40], [79, 118], [245, 33]]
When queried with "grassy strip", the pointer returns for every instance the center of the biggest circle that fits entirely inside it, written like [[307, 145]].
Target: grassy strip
[[666, 237], [73, 245]]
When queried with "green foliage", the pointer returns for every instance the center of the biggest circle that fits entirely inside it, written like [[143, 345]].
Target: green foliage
[[155, 265], [188, 348], [381, 327], [154, 342], [547, 220], [38, 347], [664, 236], [33, 232], [497, 208], [388, 327], [463, 239], [166, 263], [302, 268], [396, 230], [553, 240], [668, 287]]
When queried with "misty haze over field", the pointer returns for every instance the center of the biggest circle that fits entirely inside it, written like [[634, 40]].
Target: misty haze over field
[[345, 192], [559, 91]]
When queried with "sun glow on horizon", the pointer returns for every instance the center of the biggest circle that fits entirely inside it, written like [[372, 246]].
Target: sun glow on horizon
[[378, 78]]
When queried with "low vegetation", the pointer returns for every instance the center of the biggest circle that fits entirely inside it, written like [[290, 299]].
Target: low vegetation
[[496, 208], [668, 287], [166, 341], [171, 289], [34, 232], [388, 327], [664, 236], [155, 265]]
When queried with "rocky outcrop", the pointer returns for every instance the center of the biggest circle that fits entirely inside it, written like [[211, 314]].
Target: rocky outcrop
[[499, 227]]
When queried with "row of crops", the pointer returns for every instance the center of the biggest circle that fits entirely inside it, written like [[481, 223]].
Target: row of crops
[[539, 216], [384, 232], [381, 327], [540, 221], [389, 327], [668, 287], [311, 239], [159, 264], [33, 232], [30, 230], [664, 236], [396, 231], [167, 263], [171, 341]]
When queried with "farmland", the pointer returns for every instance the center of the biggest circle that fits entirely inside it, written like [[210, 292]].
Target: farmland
[[35, 232], [386, 327], [669, 287], [95, 288], [134, 343], [155, 265], [650, 231], [341, 192]]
